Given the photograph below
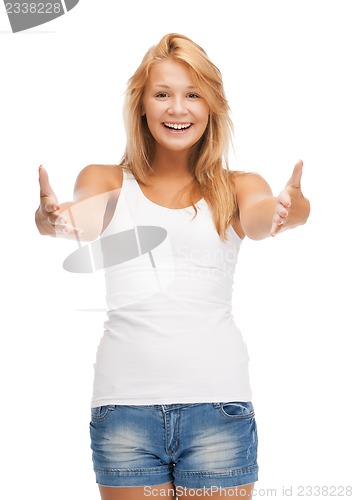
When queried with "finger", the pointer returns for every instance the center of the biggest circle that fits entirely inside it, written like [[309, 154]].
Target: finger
[[284, 200], [73, 231], [295, 179], [45, 189], [276, 224], [63, 226], [53, 218], [68, 229], [56, 219], [49, 204]]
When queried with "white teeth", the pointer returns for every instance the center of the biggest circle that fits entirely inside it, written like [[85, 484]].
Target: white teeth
[[177, 126]]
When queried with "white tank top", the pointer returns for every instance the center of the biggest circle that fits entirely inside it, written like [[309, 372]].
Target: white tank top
[[170, 336]]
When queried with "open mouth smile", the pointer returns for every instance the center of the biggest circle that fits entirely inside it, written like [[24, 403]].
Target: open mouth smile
[[177, 127]]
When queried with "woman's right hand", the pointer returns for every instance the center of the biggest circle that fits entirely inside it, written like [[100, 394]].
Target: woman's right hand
[[48, 219]]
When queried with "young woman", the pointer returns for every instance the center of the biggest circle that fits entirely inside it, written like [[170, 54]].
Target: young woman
[[171, 408]]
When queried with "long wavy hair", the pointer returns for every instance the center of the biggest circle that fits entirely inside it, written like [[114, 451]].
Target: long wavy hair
[[208, 159]]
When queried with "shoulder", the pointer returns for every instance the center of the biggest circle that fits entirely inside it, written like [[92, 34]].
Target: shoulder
[[242, 179], [249, 184], [96, 179], [109, 175]]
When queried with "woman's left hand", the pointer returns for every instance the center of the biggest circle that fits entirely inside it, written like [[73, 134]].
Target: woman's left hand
[[292, 208]]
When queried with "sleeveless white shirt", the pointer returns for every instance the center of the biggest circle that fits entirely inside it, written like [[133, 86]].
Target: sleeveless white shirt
[[170, 336]]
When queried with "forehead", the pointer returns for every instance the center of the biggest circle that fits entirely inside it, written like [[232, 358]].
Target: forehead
[[170, 73]]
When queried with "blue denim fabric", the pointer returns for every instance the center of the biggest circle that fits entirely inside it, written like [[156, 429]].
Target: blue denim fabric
[[199, 445]]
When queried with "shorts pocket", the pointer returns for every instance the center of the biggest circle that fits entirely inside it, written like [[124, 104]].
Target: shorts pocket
[[101, 413], [237, 409]]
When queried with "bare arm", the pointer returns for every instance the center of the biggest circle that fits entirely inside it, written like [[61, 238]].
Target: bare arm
[[261, 213]]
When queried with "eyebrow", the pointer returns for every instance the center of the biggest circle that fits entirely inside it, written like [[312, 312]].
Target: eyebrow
[[167, 87]]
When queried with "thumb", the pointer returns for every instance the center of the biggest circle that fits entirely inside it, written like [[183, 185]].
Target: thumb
[[295, 179], [45, 189]]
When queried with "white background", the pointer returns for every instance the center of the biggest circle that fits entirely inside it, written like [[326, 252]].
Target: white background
[[287, 69]]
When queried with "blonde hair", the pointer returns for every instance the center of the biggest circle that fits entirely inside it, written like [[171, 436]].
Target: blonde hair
[[208, 161]]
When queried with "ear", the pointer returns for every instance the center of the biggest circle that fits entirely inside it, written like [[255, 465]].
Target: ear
[[142, 110]]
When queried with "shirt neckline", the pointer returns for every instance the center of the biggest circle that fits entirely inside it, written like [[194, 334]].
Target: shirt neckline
[[161, 206]]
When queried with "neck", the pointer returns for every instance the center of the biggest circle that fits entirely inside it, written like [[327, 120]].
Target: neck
[[171, 164]]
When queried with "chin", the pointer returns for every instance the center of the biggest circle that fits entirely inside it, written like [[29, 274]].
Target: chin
[[177, 147]]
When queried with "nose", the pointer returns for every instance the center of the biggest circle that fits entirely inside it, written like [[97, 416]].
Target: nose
[[178, 106]]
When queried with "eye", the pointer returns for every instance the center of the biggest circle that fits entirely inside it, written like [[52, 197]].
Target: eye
[[192, 95], [161, 95]]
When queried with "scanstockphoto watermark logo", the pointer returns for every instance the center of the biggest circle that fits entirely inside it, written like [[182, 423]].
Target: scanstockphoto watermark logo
[[26, 15]]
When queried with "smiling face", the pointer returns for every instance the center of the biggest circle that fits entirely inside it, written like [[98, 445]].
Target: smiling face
[[176, 113]]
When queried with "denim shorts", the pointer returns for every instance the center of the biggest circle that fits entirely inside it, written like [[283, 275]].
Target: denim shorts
[[198, 445]]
